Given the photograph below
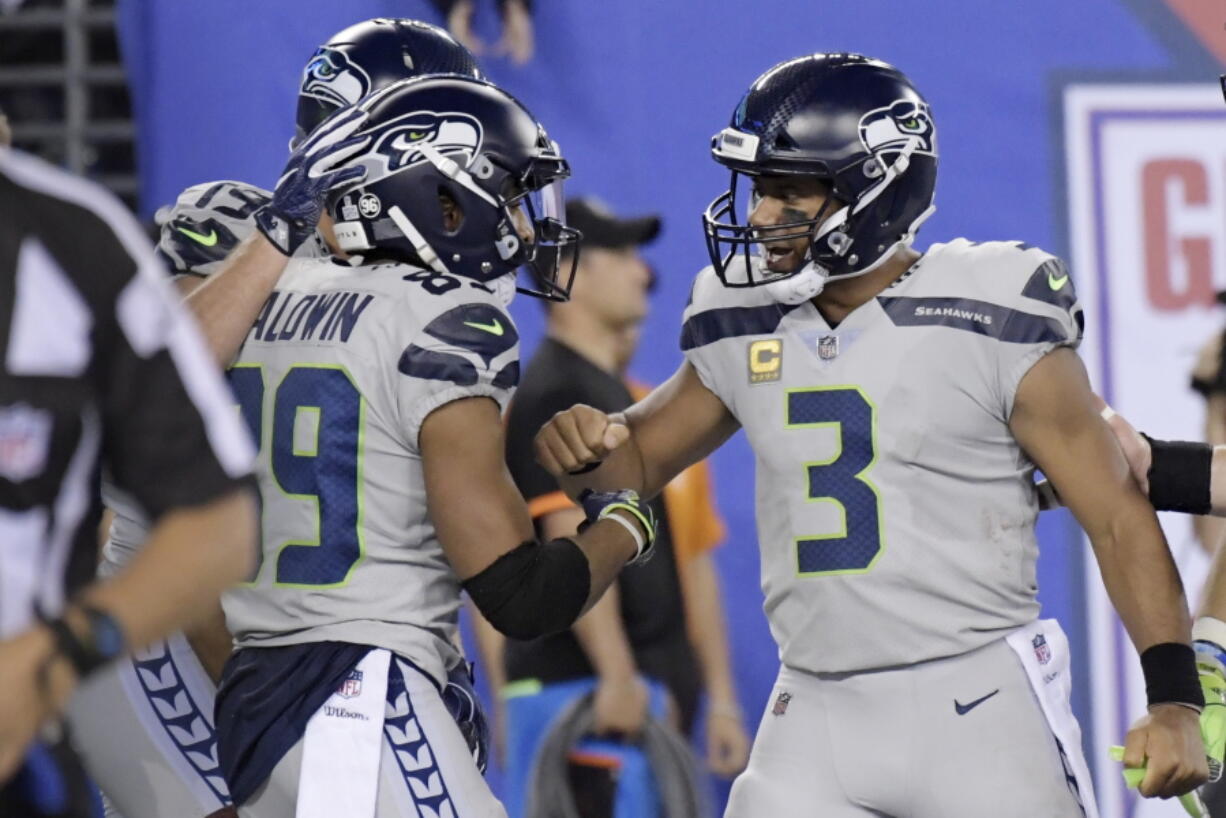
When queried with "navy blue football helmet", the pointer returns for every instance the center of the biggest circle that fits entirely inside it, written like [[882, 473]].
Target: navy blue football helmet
[[371, 55], [859, 126], [476, 144]]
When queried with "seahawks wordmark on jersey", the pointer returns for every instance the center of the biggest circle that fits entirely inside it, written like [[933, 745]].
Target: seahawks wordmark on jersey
[[895, 510], [337, 375]]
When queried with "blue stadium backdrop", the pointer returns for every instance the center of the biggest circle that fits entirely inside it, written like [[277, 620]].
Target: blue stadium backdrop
[[1089, 128]]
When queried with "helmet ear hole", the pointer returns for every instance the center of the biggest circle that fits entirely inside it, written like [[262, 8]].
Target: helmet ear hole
[[450, 210]]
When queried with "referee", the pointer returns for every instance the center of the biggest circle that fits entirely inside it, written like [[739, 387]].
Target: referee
[[99, 369]]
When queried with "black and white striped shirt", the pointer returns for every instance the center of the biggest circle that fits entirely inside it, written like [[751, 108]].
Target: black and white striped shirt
[[99, 368]]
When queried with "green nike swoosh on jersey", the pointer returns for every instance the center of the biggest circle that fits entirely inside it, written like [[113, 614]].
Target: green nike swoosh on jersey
[[493, 329], [207, 241], [1056, 283]]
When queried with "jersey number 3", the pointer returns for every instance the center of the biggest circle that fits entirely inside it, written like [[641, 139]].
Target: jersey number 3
[[841, 479], [314, 454]]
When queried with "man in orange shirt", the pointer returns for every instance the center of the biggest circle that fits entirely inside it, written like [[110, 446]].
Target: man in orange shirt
[[659, 637]]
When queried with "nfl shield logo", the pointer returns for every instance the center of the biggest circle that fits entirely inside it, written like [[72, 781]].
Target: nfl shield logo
[[1041, 651], [828, 347], [352, 686], [25, 437], [781, 704]]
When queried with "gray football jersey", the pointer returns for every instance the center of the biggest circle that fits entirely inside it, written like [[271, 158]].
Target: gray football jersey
[[337, 375], [197, 232], [895, 510]]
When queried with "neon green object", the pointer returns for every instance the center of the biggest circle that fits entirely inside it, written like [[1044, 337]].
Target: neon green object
[[1133, 776], [207, 241], [1213, 717]]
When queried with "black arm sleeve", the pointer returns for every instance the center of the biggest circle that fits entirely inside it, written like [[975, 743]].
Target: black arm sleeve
[[1180, 476], [533, 590]]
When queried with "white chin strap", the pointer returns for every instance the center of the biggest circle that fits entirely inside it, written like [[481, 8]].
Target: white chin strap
[[798, 287], [422, 247], [504, 289]]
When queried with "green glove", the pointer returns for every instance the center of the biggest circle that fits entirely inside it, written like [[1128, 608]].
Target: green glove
[[1133, 776], [1213, 717]]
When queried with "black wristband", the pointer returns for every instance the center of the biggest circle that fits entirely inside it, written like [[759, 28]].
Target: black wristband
[[103, 642], [1171, 676], [1179, 475]]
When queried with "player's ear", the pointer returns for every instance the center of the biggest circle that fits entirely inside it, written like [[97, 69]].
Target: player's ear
[[453, 214]]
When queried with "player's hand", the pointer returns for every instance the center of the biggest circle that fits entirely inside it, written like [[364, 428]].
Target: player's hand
[[727, 741], [25, 704], [578, 438], [1135, 447], [619, 706], [1167, 743], [313, 170]]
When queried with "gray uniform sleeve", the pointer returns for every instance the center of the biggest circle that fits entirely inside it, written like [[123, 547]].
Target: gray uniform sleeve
[[205, 224], [1041, 312], [465, 350], [710, 315]]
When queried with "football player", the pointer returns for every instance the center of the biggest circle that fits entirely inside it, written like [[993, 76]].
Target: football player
[[1190, 478], [145, 726], [898, 404], [376, 389], [209, 220]]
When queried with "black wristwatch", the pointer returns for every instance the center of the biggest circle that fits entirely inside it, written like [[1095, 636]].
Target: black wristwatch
[[102, 642]]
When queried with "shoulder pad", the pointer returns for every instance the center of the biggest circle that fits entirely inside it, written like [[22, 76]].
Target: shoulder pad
[[465, 343], [206, 222], [708, 292], [716, 311], [1007, 274]]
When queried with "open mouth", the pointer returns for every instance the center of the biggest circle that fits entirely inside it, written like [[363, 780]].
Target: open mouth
[[780, 257]]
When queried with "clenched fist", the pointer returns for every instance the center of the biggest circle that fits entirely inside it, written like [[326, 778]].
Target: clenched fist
[[578, 440], [1167, 742]]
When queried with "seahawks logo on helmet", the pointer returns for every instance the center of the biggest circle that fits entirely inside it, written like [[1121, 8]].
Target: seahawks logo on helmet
[[892, 128], [398, 143], [333, 78]]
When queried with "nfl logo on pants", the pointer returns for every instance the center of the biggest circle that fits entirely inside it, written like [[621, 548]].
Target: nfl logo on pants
[[1041, 651], [352, 686]]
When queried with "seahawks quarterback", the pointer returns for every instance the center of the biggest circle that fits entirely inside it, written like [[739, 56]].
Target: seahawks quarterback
[[146, 726], [376, 389], [897, 405]]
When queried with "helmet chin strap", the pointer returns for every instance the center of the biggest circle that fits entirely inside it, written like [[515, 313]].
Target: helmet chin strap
[[798, 287], [422, 247], [504, 288]]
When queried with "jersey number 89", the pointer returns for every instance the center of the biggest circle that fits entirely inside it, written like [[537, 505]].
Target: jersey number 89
[[840, 479], [322, 466]]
